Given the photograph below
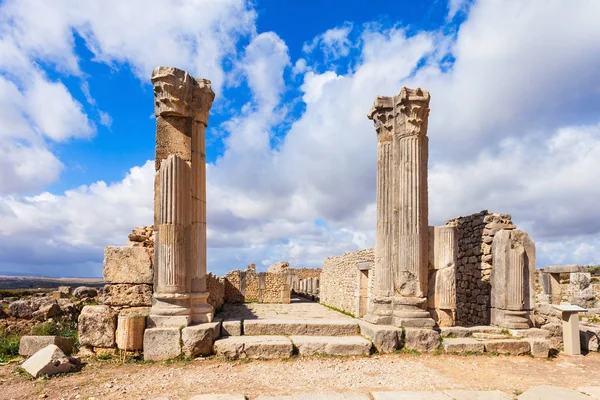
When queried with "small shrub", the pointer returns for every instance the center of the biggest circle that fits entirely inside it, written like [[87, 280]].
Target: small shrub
[[9, 346]]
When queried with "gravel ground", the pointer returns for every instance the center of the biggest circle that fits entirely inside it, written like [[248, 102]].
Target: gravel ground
[[181, 380]]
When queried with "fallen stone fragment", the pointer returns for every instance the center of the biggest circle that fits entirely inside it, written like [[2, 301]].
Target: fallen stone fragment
[[197, 340], [48, 361], [29, 345], [97, 326]]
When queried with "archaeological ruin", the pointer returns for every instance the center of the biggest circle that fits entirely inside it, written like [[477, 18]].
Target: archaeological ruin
[[470, 285]]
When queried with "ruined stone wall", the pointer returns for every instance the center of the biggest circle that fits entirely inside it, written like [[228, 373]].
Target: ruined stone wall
[[297, 274], [273, 288], [474, 264], [249, 286], [339, 279], [233, 287], [216, 290]]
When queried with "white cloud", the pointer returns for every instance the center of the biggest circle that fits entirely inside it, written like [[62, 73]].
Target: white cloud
[[333, 43], [513, 128]]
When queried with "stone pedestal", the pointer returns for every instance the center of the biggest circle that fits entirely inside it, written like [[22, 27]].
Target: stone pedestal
[[570, 323], [401, 246], [182, 104], [443, 251], [513, 280]]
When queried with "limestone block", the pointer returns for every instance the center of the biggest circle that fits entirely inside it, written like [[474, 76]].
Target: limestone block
[[409, 395], [423, 340], [97, 326], [589, 337], [564, 269], [231, 328], [125, 294], [20, 309], [128, 265], [255, 347], [539, 347], [551, 392], [29, 345], [530, 333], [463, 345], [332, 345], [508, 346], [555, 329], [455, 331], [83, 292], [47, 311], [48, 361], [162, 344], [197, 340], [478, 395], [581, 289], [385, 338]]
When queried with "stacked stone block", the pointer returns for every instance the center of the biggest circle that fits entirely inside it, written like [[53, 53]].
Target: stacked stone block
[[474, 264], [339, 279], [216, 290], [128, 276]]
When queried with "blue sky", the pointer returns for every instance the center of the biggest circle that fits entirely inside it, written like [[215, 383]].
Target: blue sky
[[514, 124]]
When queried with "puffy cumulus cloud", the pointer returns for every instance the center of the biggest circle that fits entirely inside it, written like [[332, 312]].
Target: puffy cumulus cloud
[[512, 129], [334, 43], [66, 233], [197, 36]]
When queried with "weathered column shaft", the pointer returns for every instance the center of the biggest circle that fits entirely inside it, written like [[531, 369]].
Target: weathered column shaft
[[174, 178], [411, 273]]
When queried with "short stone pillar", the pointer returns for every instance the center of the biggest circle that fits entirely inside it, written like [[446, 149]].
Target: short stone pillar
[[401, 244], [443, 252], [513, 280], [570, 322]]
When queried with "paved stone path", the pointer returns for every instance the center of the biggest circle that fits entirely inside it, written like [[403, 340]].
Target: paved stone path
[[299, 308]]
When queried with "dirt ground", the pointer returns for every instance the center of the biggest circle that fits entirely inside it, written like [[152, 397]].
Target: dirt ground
[[182, 380]]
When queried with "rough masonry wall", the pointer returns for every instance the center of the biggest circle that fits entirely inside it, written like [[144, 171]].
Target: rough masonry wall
[[339, 279], [249, 286], [216, 290], [474, 264]]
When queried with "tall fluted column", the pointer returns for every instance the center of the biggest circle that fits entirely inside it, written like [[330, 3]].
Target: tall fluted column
[[380, 307], [203, 97], [401, 245], [182, 104]]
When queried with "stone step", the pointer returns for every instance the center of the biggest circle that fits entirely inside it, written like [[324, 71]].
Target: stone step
[[332, 345], [463, 345], [255, 347], [307, 327]]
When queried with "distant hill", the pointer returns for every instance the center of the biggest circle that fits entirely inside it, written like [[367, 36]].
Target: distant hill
[[34, 282]]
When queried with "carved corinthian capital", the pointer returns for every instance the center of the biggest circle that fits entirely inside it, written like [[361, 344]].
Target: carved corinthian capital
[[405, 114], [412, 111], [173, 89], [382, 115], [202, 99]]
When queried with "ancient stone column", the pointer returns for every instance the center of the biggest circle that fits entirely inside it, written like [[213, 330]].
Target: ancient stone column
[[182, 104], [401, 245], [513, 280]]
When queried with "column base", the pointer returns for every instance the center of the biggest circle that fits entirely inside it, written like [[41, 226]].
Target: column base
[[170, 310], [511, 319], [410, 312], [380, 311], [201, 311]]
